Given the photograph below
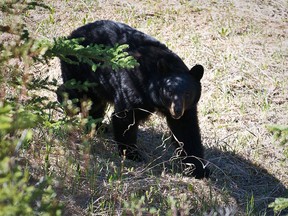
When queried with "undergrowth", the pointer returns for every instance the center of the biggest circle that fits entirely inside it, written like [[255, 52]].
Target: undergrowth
[[23, 110]]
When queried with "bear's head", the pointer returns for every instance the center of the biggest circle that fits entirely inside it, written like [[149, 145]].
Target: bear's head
[[181, 91]]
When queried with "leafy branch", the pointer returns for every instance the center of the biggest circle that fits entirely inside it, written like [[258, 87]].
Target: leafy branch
[[94, 54]]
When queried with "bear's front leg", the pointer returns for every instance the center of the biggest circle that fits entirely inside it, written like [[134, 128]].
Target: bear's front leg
[[125, 126], [186, 131]]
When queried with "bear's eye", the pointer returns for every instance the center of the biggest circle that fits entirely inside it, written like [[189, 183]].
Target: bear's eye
[[168, 92]]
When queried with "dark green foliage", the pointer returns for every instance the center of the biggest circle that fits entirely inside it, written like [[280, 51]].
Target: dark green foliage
[[17, 196], [112, 56], [81, 86]]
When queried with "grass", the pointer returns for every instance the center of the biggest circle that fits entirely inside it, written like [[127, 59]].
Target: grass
[[243, 47]]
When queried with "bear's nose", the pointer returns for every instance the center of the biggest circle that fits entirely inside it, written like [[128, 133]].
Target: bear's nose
[[177, 113]]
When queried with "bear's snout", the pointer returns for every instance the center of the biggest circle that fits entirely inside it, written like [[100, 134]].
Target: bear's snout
[[177, 108]]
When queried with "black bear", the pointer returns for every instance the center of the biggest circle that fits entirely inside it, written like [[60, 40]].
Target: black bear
[[161, 82]]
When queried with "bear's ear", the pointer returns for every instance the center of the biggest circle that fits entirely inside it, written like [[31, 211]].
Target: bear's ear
[[162, 66], [197, 72]]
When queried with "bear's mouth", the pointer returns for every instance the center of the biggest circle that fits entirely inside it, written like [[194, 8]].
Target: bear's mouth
[[176, 110]]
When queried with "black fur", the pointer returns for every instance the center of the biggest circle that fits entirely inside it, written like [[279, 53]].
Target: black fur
[[161, 82]]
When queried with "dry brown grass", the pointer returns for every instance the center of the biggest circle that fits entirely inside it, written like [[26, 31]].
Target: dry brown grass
[[243, 46]]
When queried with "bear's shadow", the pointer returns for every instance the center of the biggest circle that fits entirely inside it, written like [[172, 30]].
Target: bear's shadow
[[241, 178]]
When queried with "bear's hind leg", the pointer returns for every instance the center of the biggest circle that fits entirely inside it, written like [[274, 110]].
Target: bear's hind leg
[[98, 107], [62, 92], [97, 112], [125, 125]]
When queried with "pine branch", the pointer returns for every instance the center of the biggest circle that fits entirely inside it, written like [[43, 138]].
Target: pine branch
[[94, 54]]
